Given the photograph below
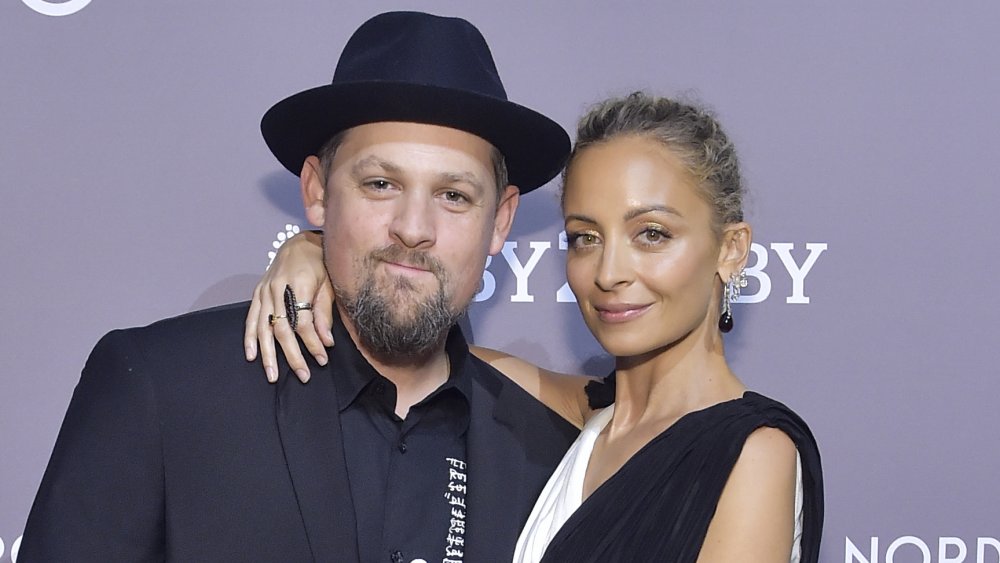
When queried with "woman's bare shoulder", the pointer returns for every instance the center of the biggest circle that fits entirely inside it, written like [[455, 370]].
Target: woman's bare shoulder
[[754, 519]]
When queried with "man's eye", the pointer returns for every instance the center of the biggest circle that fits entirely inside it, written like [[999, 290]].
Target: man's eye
[[378, 184], [455, 196]]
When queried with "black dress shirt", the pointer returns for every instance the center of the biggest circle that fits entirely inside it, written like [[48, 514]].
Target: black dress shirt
[[407, 476]]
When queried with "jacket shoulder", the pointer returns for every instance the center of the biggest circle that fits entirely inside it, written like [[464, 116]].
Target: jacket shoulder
[[513, 406], [187, 346], [206, 329]]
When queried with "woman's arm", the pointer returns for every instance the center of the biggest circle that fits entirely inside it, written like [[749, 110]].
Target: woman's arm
[[755, 518], [299, 264], [561, 392]]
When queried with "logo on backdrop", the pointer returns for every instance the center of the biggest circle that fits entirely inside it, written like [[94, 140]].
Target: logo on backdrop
[[56, 8], [944, 549], [757, 268], [280, 239]]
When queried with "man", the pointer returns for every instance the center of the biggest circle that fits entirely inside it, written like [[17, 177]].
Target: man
[[404, 447]]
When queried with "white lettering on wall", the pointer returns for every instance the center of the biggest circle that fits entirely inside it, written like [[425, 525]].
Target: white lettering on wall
[[854, 555], [521, 272], [565, 294], [489, 283], [943, 545], [949, 550], [981, 544], [56, 9], [890, 553], [797, 273], [14, 548], [757, 271]]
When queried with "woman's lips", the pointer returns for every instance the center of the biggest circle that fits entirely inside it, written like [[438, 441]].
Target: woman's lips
[[620, 312]]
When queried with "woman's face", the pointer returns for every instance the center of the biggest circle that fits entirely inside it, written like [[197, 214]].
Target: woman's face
[[643, 256]]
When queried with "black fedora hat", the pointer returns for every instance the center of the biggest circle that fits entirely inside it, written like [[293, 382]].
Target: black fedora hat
[[416, 67]]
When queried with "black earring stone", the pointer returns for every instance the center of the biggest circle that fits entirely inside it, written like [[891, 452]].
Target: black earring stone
[[726, 322]]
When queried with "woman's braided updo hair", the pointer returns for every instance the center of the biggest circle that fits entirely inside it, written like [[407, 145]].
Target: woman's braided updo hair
[[689, 132]]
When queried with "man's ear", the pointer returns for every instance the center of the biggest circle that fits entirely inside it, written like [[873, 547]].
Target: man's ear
[[504, 218], [313, 191], [736, 239]]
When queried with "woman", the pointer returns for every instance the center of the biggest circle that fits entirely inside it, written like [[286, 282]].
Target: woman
[[678, 461]]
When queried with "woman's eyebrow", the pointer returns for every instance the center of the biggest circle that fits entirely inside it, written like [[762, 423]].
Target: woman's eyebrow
[[635, 212]]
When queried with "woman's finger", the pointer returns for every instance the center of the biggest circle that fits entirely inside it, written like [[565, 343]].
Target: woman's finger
[[307, 332], [284, 334], [323, 313], [250, 330], [265, 337]]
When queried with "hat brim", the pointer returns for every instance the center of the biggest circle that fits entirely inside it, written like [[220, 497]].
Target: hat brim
[[534, 147]]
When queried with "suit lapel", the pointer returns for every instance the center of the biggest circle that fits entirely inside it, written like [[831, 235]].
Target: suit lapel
[[309, 425], [496, 504]]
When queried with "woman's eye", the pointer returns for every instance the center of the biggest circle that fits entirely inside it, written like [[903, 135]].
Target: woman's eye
[[581, 239], [652, 236]]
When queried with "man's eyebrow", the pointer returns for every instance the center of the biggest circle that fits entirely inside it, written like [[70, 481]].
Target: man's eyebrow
[[375, 162], [461, 177], [636, 212]]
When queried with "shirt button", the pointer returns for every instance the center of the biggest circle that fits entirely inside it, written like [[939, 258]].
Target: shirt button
[[402, 447], [396, 557]]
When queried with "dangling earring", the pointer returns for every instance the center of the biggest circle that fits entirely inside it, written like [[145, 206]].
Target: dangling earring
[[732, 293]]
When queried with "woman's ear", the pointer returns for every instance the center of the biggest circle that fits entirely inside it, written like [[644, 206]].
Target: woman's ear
[[736, 239], [313, 191]]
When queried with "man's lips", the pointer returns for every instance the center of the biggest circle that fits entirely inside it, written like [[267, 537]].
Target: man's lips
[[407, 267], [620, 312]]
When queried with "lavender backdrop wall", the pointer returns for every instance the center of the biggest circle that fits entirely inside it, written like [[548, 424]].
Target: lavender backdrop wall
[[135, 186]]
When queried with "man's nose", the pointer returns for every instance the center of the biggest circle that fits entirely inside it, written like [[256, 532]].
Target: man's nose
[[413, 222]]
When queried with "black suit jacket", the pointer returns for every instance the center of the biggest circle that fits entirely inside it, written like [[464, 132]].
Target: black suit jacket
[[176, 448]]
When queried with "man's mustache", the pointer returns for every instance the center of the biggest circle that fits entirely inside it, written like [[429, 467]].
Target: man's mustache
[[417, 259]]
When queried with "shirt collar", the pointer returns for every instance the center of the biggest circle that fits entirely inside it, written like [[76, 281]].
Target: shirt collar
[[354, 373]]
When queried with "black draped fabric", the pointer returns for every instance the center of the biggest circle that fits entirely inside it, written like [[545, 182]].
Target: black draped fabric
[[659, 505]]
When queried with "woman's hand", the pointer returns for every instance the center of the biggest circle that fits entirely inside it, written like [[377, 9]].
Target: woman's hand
[[298, 264]]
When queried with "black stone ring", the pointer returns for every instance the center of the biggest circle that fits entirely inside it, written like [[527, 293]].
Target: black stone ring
[[291, 311]]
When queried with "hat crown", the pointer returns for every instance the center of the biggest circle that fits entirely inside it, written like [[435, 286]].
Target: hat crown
[[418, 68], [419, 48]]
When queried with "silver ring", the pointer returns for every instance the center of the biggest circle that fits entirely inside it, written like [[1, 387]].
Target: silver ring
[[303, 306]]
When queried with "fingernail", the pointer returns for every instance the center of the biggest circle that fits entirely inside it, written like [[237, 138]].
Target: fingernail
[[322, 360], [303, 375], [329, 336], [272, 374], [249, 351]]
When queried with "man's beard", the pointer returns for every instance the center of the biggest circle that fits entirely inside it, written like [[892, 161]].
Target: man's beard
[[399, 331]]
